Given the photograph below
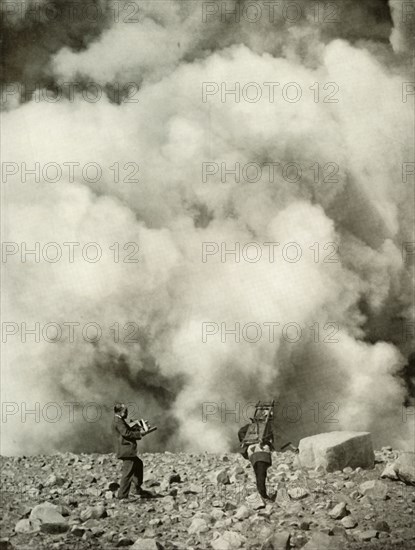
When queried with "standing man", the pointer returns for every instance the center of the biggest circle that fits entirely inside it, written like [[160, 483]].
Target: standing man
[[125, 442]]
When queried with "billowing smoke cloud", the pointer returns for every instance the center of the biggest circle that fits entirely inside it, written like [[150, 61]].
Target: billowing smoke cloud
[[170, 293]]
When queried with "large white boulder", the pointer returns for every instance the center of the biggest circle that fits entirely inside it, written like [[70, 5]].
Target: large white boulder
[[404, 467], [337, 450]]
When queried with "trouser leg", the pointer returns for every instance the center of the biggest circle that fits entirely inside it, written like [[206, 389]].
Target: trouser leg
[[138, 473], [127, 477], [260, 469]]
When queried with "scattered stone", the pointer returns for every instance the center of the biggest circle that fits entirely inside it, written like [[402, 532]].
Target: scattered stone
[[124, 541], [382, 525], [217, 514], [321, 541], [113, 486], [367, 535], [374, 489], [27, 526], [54, 528], [337, 450], [216, 511], [198, 525], [405, 467], [277, 541], [78, 530], [297, 493], [255, 501], [33, 492], [389, 472], [242, 513], [220, 477], [339, 511], [50, 518], [349, 522], [338, 529], [53, 480], [175, 478], [147, 544], [193, 488], [229, 540]]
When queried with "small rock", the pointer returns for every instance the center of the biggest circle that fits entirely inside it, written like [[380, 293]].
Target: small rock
[[51, 520], [217, 514], [297, 493], [405, 467], [389, 472], [374, 489], [198, 525], [278, 541], [175, 478], [54, 528], [220, 477], [124, 541], [27, 526], [53, 480], [349, 522], [367, 535], [255, 501], [78, 530], [229, 540], [382, 525], [193, 488], [147, 544], [93, 512], [242, 513], [339, 511], [321, 541]]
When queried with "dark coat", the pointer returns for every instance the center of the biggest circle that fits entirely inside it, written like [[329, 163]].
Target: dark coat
[[259, 453], [125, 438]]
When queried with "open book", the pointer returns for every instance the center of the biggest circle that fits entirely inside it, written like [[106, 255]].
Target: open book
[[144, 426]]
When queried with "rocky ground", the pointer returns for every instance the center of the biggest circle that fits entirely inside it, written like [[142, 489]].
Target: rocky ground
[[201, 502]]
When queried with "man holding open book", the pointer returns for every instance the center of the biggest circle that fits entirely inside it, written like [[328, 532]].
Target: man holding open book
[[125, 443]]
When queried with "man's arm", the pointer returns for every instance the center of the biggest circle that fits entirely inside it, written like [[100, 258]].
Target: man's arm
[[127, 432]]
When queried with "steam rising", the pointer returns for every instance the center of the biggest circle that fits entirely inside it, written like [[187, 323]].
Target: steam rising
[[170, 372]]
